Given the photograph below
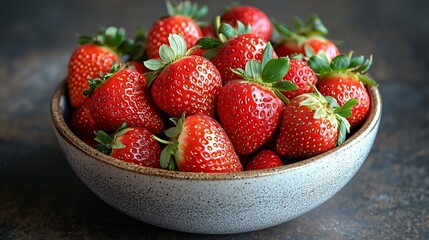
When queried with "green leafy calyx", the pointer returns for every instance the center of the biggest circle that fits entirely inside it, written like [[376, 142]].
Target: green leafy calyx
[[269, 72], [355, 67], [103, 77], [176, 50], [313, 26], [328, 107], [186, 8], [113, 38], [224, 32], [167, 159], [109, 142]]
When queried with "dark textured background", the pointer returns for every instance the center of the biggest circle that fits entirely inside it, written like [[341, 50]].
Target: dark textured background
[[41, 198]]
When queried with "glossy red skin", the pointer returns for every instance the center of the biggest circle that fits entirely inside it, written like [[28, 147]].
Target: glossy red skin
[[140, 148], [344, 87], [301, 75], [301, 136], [208, 31], [205, 147], [87, 60], [82, 123], [125, 97], [263, 160], [236, 52], [258, 20], [161, 29], [249, 113], [290, 46], [189, 85]]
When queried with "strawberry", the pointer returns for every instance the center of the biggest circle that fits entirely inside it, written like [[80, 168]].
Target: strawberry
[[95, 55], [249, 15], [343, 78], [183, 83], [307, 39], [312, 124], [122, 95], [198, 143], [264, 159], [250, 109], [180, 21], [301, 75], [236, 47], [81, 122], [130, 144]]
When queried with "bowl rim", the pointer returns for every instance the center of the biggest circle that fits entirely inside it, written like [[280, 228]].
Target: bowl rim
[[64, 131]]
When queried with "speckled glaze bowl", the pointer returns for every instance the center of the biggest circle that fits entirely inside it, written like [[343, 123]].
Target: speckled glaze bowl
[[215, 203]]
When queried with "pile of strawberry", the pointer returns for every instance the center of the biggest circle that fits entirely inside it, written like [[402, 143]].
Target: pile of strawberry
[[218, 97]]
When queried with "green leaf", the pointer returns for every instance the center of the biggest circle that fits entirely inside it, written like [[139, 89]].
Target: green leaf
[[267, 55], [319, 65], [172, 132], [318, 26], [86, 39], [165, 157], [227, 30], [177, 44], [332, 102], [171, 9], [253, 69], [356, 61], [166, 53], [346, 110], [275, 70], [343, 131], [208, 43], [118, 145], [239, 71], [297, 23], [154, 64], [102, 137], [283, 30], [308, 50], [340, 63], [367, 80], [201, 12], [365, 66], [284, 86]]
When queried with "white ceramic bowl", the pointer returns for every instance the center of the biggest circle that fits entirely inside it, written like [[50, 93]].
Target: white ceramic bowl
[[215, 203]]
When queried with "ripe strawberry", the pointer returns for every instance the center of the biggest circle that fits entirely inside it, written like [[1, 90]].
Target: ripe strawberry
[[236, 47], [250, 109], [180, 21], [183, 83], [312, 124], [81, 122], [199, 144], [301, 75], [123, 96], [95, 55], [133, 145], [343, 78], [307, 39], [249, 15], [264, 159]]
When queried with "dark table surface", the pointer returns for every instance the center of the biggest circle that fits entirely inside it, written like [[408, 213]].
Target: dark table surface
[[41, 198]]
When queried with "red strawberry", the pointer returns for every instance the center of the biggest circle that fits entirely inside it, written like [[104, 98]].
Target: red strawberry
[[301, 75], [236, 47], [249, 15], [123, 96], [180, 21], [133, 145], [264, 159], [81, 122], [250, 109], [96, 55], [181, 83], [208, 31], [312, 124], [199, 144], [307, 39], [138, 66], [343, 78]]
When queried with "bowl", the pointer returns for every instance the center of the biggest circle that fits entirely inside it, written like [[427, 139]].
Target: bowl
[[215, 203]]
